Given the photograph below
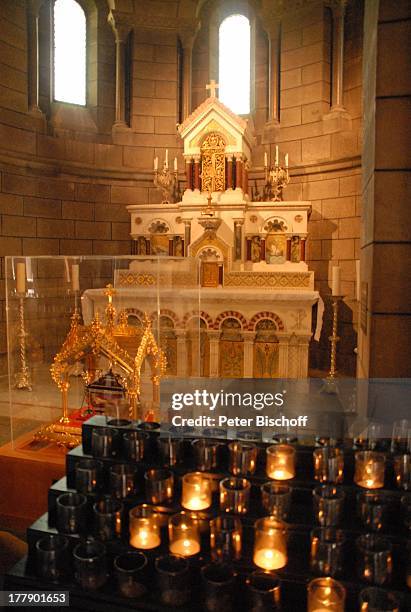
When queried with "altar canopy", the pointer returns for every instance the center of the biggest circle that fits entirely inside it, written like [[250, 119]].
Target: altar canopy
[[257, 293]]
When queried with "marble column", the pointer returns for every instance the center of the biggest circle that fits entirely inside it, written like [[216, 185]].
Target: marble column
[[187, 235], [229, 181], [274, 37], [181, 353], [187, 38], [197, 160], [238, 239], [214, 341], [121, 29], [338, 14], [302, 248], [249, 337], [189, 173], [238, 171], [245, 177], [288, 255], [33, 11]]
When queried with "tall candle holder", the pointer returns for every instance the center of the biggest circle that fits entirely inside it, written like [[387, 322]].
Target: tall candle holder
[[276, 178], [166, 180], [22, 377], [330, 381]]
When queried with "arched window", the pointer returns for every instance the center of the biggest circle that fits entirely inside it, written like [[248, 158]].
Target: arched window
[[234, 63], [69, 28]]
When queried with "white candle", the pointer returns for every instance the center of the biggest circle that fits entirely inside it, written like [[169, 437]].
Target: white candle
[[184, 547], [166, 162], [265, 159], [75, 277], [21, 277], [276, 155], [175, 164], [269, 559], [281, 474], [156, 163], [336, 280], [286, 160], [358, 280]]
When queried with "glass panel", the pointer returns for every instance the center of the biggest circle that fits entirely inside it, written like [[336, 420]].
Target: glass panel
[[234, 63], [69, 52]]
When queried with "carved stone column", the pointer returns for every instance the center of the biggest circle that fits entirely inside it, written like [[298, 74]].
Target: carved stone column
[[121, 29], [238, 171], [196, 172], [189, 173], [245, 177], [248, 365], [338, 14], [229, 182], [273, 30], [187, 235], [33, 11], [288, 255], [187, 37], [238, 239], [214, 341], [302, 247], [181, 353]]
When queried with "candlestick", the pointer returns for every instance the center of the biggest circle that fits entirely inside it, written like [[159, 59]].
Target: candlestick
[[184, 535], [270, 545], [21, 277], [325, 595], [75, 277], [22, 377], [334, 339], [144, 527], [276, 155], [196, 491], [336, 281], [166, 159], [175, 164], [265, 159], [286, 160], [156, 163], [280, 462]]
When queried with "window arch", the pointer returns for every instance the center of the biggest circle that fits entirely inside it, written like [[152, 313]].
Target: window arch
[[234, 63], [70, 39]]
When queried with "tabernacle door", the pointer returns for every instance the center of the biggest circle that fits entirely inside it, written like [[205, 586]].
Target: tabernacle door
[[209, 274]]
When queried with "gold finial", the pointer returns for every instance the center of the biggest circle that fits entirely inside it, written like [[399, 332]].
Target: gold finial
[[109, 292]]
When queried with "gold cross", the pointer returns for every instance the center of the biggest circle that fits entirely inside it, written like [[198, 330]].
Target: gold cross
[[109, 292], [212, 87]]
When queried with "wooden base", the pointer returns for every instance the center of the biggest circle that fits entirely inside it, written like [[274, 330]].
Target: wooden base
[[27, 470]]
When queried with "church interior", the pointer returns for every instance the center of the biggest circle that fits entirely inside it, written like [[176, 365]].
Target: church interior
[[205, 192]]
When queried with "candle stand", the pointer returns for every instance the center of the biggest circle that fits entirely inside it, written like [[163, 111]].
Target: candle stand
[[22, 379], [176, 542]]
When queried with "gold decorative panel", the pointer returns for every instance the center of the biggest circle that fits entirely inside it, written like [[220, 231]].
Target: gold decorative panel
[[213, 163], [292, 280]]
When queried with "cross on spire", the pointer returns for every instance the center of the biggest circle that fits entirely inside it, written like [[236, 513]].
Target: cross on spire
[[212, 86]]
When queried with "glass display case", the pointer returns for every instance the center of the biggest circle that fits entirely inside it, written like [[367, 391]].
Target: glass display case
[[96, 335]]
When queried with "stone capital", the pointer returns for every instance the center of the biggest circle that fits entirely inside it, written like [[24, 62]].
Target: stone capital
[[121, 25], [187, 35], [34, 7]]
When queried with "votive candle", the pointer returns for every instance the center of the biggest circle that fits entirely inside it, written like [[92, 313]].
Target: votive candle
[[369, 469], [144, 527], [280, 462], [184, 535], [270, 544], [325, 595], [196, 491]]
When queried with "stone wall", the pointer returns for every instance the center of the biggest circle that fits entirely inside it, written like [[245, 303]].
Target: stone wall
[[66, 177]]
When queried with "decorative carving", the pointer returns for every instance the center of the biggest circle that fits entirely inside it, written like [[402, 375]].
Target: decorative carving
[[276, 225], [267, 279], [138, 220], [298, 218], [213, 163], [158, 227]]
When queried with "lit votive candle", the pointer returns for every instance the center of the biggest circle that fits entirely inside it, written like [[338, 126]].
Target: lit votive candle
[[325, 595], [280, 462], [144, 527], [270, 544], [184, 535], [196, 491], [369, 469]]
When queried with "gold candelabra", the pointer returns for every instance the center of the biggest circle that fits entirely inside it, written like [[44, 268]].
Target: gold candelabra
[[166, 180], [22, 377], [330, 381], [276, 178]]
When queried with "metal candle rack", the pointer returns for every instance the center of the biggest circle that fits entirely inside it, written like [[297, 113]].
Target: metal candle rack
[[294, 576]]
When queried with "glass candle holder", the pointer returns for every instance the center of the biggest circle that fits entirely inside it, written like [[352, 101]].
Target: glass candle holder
[[402, 470], [218, 581], [88, 476], [104, 442], [325, 595], [328, 505], [144, 527], [183, 535], [270, 544], [329, 464], [235, 495], [205, 454], [130, 570], [135, 444], [263, 592], [159, 485], [276, 499], [369, 469], [242, 458], [108, 518], [90, 565], [71, 514], [173, 579], [119, 422], [280, 462], [327, 551], [372, 509], [171, 450], [196, 491], [122, 480], [401, 436], [52, 557], [373, 599], [374, 559], [226, 535]]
